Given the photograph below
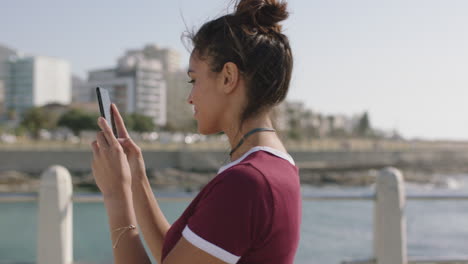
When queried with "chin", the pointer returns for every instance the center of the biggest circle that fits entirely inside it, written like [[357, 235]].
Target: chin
[[207, 130]]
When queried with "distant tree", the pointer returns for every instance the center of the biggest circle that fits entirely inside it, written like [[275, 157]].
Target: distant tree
[[309, 129], [20, 131], [128, 120], [294, 131], [170, 127], [339, 132], [191, 126], [331, 124], [142, 123], [364, 127], [78, 120], [11, 114], [395, 134], [34, 120]]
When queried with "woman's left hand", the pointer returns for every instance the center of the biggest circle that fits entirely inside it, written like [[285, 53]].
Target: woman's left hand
[[111, 170]]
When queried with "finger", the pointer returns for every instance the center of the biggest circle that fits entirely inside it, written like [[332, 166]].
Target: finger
[[124, 142], [128, 145], [95, 148], [110, 138], [102, 141], [119, 123]]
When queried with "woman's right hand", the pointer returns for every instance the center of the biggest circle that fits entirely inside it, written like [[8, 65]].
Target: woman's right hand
[[131, 149]]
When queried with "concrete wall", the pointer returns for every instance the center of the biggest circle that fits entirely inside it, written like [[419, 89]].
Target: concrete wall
[[79, 160]]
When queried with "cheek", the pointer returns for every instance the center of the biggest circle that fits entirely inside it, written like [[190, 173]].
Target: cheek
[[208, 121], [204, 93], [210, 111]]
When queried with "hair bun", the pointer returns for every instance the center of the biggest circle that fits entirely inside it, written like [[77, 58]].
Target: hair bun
[[262, 14]]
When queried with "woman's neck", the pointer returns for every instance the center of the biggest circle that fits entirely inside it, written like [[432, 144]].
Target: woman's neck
[[262, 138]]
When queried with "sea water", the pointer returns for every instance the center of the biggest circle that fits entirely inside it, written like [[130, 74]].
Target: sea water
[[331, 231]]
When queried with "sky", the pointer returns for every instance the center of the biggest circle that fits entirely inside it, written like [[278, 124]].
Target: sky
[[403, 61]]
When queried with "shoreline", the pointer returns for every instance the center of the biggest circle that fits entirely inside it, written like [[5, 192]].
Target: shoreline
[[175, 180]]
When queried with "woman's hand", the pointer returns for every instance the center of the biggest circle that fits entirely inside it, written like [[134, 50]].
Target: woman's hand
[[132, 150], [111, 170]]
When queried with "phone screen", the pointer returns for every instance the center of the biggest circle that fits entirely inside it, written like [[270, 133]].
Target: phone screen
[[105, 107]]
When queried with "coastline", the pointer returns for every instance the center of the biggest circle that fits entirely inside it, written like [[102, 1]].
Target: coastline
[[171, 179]]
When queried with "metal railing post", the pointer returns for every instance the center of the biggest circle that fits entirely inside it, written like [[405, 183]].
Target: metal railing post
[[55, 230], [389, 218]]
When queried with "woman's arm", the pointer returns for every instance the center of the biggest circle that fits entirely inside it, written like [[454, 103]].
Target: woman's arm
[[112, 174], [184, 252], [127, 243], [152, 222], [151, 219]]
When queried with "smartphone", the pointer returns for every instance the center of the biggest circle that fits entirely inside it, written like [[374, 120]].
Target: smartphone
[[105, 107]]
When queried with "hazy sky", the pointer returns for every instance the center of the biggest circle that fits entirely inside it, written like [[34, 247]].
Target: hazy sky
[[405, 61]]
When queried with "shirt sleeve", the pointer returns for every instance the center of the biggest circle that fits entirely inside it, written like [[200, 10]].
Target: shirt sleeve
[[233, 216]]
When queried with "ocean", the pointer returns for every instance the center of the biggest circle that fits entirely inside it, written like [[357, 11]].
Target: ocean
[[332, 231]]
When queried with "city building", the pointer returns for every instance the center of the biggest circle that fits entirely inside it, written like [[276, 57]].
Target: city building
[[292, 118], [310, 123], [5, 54], [81, 92], [121, 88], [179, 111], [169, 58], [298, 121], [136, 85], [148, 81], [36, 81]]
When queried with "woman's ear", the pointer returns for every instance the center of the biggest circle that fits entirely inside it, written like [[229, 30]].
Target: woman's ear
[[230, 77]]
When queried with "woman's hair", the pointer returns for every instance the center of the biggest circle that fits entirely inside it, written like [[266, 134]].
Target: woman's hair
[[251, 38]]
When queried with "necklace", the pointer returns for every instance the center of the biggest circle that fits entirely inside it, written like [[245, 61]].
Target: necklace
[[255, 130]]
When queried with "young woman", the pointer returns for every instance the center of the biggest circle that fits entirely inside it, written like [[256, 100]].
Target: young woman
[[250, 212]]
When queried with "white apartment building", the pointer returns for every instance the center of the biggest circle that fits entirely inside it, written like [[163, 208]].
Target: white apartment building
[[37, 81], [137, 85], [169, 58], [148, 81], [179, 111]]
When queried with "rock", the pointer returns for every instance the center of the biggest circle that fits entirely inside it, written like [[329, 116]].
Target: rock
[[13, 177]]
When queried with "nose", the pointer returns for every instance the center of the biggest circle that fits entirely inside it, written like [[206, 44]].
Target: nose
[[189, 98]]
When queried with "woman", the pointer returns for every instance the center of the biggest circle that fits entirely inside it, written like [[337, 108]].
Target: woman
[[250, 212]]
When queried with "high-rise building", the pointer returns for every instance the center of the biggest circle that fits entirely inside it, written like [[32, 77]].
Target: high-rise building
[[5, 54], [80, 90], [179, 112], [37, 81], [169, 58], [147, 81], [137, 85], [121, 88]]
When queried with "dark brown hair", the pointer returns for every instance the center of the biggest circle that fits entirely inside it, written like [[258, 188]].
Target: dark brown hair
[[251, 38]]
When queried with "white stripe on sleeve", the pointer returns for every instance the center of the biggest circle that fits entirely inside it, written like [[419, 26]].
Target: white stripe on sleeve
[[208, 247]]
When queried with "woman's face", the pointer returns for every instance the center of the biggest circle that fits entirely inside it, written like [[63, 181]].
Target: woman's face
[[205, 96]]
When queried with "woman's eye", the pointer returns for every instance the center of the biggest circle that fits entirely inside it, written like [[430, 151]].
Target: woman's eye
[[191, 81]]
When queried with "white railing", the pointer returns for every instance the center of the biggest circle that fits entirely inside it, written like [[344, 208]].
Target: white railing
[[416, 260], [389, 243]]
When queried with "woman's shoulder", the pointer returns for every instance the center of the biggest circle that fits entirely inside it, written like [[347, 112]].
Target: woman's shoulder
[[259, 171], [242, 174]]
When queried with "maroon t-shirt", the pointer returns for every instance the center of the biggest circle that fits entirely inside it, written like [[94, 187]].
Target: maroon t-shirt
[[249, 213]]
